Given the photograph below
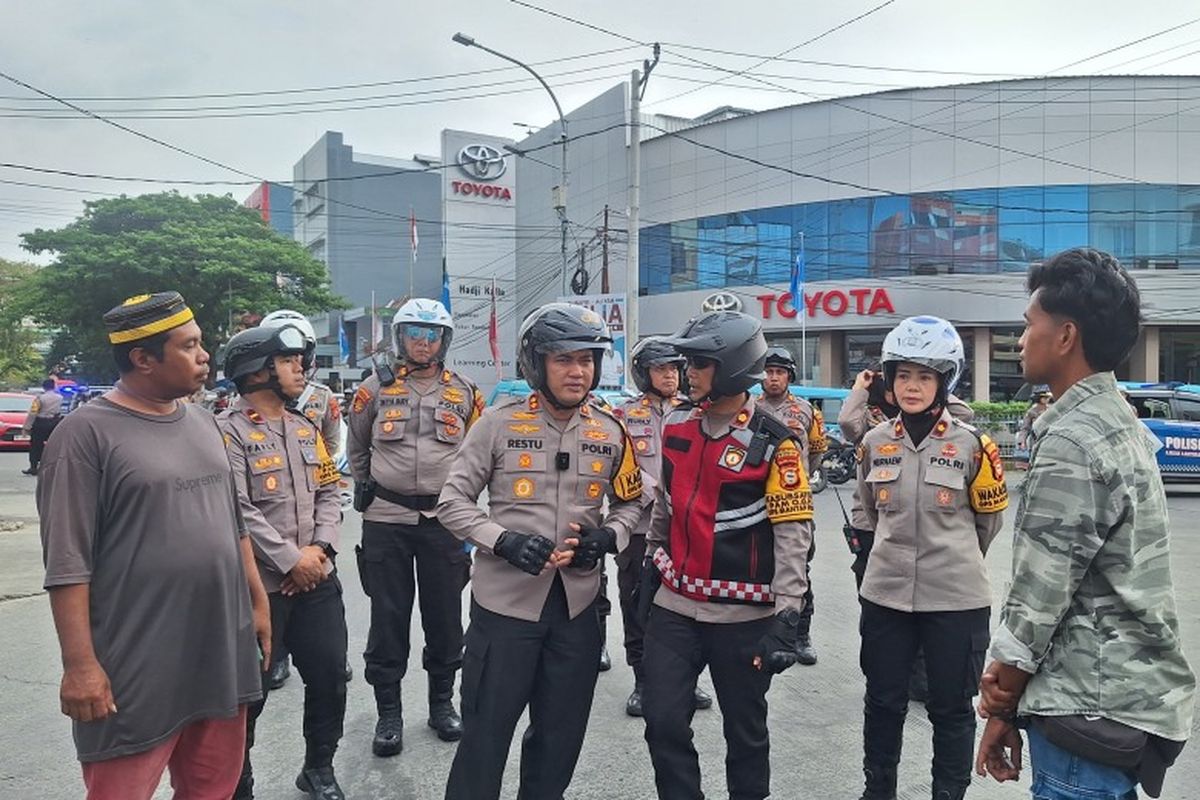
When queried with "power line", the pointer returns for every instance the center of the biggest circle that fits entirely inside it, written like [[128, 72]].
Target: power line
[[341, 87], [783, 53]]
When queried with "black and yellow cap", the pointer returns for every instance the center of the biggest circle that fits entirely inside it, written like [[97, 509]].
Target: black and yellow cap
[[144, 315]]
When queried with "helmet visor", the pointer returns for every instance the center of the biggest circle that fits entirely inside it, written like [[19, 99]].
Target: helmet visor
[[291, 340]]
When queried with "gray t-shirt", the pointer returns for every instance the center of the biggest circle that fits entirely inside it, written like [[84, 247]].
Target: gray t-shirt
[[142, 508]]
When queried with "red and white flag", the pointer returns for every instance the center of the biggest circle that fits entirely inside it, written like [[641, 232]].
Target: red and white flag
[[494, 334], [412, 229]]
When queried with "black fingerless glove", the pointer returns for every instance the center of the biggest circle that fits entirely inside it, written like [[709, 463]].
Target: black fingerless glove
[[594, 543], [525, 551]]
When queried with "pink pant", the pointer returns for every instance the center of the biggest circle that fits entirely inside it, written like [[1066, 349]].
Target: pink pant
[[205, 759]]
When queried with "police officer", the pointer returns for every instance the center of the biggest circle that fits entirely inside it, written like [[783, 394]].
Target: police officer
[[44, 413], [319, 404], [403, 437], [288, 493], [933, 491], [808, 426], [729, 536], [657, 368], [547, 462]]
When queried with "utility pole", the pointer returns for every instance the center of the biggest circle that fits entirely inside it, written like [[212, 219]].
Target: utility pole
[[637, 87], [604, 255], [632, 279]]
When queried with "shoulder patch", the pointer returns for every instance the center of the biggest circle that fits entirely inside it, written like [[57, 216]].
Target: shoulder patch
[[989, 493]]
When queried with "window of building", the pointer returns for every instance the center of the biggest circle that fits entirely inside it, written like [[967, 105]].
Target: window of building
[[1005, 367]]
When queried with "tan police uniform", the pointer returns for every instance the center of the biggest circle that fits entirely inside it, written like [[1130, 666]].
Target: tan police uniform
[[533, 639], [934, 506], [320, 406], [805, 421], [404, 438], [287, 487], [44, 414], [643, 418]]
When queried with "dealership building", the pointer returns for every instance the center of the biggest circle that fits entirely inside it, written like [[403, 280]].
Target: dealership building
[[922, 201]]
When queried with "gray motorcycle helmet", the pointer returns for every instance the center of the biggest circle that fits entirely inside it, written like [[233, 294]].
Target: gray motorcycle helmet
[[732, 339]]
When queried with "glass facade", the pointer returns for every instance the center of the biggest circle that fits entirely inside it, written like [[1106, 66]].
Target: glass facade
[[971, 231]]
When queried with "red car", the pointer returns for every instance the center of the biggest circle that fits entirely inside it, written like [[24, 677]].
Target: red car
[[14, 407]]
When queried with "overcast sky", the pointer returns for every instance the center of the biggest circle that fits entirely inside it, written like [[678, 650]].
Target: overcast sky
[[140, 48]]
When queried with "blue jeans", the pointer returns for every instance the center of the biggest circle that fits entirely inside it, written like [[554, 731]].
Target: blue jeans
[[1061, 775]]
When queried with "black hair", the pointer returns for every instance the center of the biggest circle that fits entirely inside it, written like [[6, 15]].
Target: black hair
[[1092, 289], [48, 384], [155, 345]]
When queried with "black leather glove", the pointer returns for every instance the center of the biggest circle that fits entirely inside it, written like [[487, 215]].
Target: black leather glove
[[647, 586], [525, 551], [593, 544], [777, 647]]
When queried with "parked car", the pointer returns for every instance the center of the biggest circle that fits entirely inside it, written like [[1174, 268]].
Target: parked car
[[14, 407], [520, 388], [1171, 412]]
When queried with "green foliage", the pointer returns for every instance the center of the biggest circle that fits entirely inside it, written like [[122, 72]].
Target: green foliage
[[20, 364], [218, 254], [999, 410]]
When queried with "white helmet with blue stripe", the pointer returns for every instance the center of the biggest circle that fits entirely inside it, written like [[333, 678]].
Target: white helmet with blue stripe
[[928, 341]]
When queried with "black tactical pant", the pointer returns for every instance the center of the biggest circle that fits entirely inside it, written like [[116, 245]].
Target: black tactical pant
[[806, 614], [390, 553], [677, 649], [312, 626], [551, 667], [954, 643], [629, 575], [39, 432]]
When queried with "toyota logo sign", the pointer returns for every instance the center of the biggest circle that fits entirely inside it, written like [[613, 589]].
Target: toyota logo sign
[[482, 162], [722, 301]]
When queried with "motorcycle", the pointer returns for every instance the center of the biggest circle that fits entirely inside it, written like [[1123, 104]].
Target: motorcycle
[[838, 465]]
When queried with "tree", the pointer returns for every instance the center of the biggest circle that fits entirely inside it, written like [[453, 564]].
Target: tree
[[216, 253], [20, 364]]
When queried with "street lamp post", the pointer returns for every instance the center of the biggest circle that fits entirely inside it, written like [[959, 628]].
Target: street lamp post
[[559, 196]]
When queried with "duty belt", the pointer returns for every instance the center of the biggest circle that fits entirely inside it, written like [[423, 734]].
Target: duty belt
[[417, 502], [709, 587]]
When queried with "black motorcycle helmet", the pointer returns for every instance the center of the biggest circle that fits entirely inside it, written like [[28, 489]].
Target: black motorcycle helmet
[[253, 350], [780, 357], [653, 351], [559, 328], [732, 339]]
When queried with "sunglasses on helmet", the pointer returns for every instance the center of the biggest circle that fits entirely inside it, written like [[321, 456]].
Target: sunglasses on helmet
[[700, 362], [430, 335]]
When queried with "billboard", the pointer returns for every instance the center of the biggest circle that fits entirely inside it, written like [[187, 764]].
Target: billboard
[[611, 308]]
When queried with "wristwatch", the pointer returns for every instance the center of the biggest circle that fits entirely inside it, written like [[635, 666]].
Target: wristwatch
[[327, 548]]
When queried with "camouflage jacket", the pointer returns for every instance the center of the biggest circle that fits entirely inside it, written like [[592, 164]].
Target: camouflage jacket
[[1091, 611]]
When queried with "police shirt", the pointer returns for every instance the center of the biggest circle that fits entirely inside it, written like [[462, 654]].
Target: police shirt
[[805, 422], [406, 435], [46, 405], [541, 474], [935, 507], [287, 486], [643, 419], [319, 405]]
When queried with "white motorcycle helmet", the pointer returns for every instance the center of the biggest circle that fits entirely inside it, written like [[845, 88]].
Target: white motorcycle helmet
[[424, 313], [285, 316], [928, 341]]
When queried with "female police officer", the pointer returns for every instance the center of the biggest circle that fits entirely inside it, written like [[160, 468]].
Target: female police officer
[[933, 490]]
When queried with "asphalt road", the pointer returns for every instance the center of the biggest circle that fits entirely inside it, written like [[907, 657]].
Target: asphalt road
[[815, 716]]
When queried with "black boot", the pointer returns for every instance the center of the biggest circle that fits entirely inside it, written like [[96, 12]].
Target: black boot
[[806, 654], [702, 699], [633, 706], [442, 716], [948, 791], [880, 782], [316, 778], [605, 659], [389, 730], [281, 670]]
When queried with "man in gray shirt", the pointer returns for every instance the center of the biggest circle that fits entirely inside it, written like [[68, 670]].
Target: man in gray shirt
[[152, 581]]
